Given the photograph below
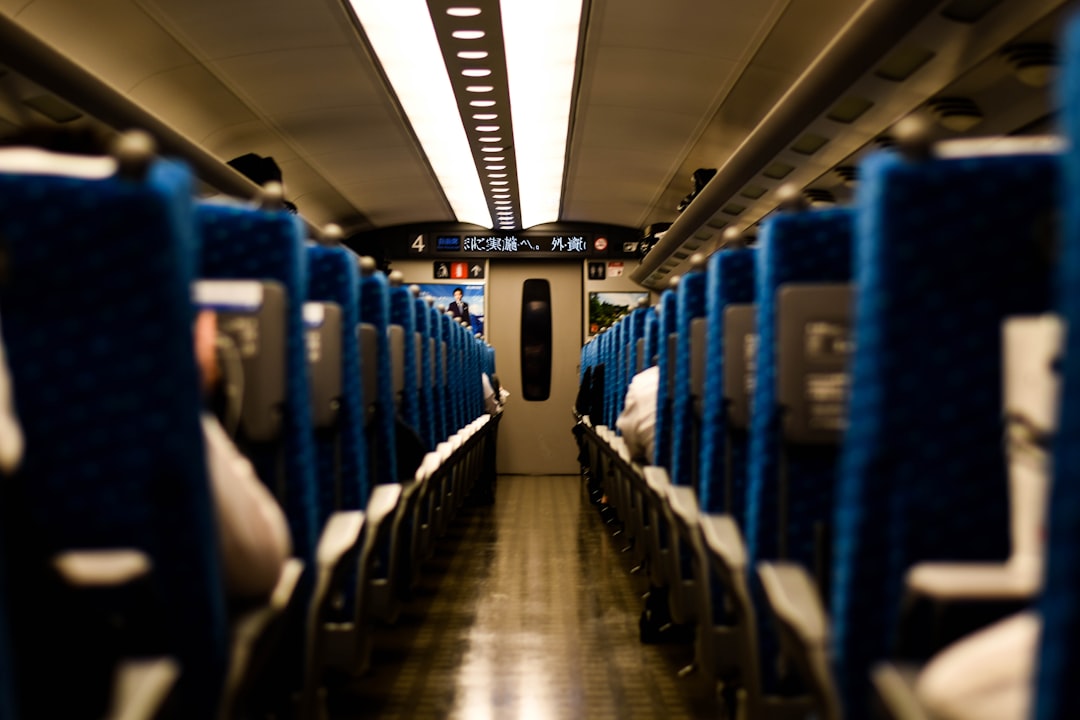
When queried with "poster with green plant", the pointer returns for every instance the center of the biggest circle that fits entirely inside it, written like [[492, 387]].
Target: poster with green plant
[[607, 307]]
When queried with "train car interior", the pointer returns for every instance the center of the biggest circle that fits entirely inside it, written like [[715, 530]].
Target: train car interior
[[579, 359]]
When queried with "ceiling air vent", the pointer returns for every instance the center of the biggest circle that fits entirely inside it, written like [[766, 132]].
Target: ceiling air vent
[[849, 174], [968, 11], [885, 142], [956, 113], [1033, 63], [819, 197]]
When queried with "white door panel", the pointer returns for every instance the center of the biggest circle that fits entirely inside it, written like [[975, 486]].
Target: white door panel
[[534, 437]]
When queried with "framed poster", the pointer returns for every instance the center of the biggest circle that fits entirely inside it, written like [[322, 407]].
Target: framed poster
[[472, 295], [607, 307]]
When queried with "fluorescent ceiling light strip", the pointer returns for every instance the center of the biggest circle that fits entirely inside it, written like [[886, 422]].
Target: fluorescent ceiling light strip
[[541, 85], [404, 40]]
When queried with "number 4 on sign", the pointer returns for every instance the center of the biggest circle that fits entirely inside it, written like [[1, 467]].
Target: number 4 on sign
[[418, 244]]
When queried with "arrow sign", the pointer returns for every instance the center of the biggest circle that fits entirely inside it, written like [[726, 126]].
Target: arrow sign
[[476, 271]]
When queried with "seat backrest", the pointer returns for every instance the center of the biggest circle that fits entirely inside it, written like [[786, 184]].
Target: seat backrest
[[796, 247], [477, 359], [98, 328], [922, 473], [730, 280], [1059, 651], [602, 412], [8, 680], [651, 332], [685, 442], [451, 338], [633, 329], [438, 368], [403, 314], [333, 276], [382, 438], [242, 242], [665, 362], [426, 372], [619, 334]]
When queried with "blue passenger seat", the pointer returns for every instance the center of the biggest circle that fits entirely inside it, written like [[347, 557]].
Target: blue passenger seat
[[403, 316], [922, 471], [796, 248], [811, 246], [375, 311], [98, 327], [1058, 658], [334, 277], [243, 242], [724, 447]]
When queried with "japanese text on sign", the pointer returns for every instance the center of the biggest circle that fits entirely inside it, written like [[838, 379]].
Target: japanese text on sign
[[570, 244]]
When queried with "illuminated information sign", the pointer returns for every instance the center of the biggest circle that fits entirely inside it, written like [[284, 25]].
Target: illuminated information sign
[[526, 244], [512, 244]]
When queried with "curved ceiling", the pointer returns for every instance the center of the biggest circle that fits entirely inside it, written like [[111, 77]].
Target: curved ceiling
[[663, 88]]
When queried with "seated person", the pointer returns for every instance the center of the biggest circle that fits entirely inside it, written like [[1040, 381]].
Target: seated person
[[637, 421], [254, 534], [11, 436], [494, 394], [989, 675], [986, 675]]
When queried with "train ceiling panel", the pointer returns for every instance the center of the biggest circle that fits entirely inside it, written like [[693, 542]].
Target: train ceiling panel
[[662, 89]]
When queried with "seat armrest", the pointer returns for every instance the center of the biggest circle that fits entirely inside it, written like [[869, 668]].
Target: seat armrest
[[657, 480], [957, 582], [383, 501], [287, 583], [724, 540], [428, 466], [618, 445], [683, 503], [141, 687], [895, 687], [794, 601], [342, 533], [252, 633], [101, 568]]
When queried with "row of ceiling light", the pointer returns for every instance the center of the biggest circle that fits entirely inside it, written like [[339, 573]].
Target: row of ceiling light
[[490, 149], [506, 72]]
